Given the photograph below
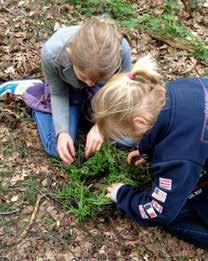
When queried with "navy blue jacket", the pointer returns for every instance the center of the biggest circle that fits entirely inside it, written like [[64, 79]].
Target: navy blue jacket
[[178, 148]]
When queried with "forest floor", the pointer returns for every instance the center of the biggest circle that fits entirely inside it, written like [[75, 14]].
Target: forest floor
[[33, 226]]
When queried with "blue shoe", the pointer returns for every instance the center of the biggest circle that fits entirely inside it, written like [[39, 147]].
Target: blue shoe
[[15, 88]]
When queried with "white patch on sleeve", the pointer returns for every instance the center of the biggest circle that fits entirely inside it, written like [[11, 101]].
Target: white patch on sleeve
[[150, 210], [157, 206], [165, 183], [142, 212], [159, 194]]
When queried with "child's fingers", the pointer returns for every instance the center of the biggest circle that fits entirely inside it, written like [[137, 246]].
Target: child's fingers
[[140, 162], [66, 156], [131, 155], [87, 144], [108, 195], [87, 147], [65, 147], [99, 146], [135, 158], [109, 189], [86, 151], [64, 153], [70, 147], [96, 146], [92, 147]]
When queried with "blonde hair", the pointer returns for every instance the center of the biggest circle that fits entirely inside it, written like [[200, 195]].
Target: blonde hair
[[95, 49], [129, 95]]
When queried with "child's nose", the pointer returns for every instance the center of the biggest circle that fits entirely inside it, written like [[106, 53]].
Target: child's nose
[[90, 83]]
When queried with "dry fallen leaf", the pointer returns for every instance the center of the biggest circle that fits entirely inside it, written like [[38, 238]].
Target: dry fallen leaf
[[27, 210], [10, 70], [17, 178], [14, 198]]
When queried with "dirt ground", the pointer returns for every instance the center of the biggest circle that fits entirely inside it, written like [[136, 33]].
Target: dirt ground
[[33, 225]]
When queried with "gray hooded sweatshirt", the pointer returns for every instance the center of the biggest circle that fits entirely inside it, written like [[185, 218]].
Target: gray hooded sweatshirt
[[60, 75]]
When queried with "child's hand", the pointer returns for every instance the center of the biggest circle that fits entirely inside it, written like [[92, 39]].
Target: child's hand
[[65, 147], [94, 141], [112, 191], [135, 158]]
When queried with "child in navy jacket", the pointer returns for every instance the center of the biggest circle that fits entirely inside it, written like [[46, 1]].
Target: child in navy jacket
[[171, 126]]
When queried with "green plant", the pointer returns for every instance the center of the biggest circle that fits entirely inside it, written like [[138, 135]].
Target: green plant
[[84, 195], [172, 31], [124, 12], [30, 192], [171, 6], [5, 190]]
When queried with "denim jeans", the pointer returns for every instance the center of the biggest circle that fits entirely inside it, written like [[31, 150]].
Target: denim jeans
[[189, 227], [46, 129], [79, 107]]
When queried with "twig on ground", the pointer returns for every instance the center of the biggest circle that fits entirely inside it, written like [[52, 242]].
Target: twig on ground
[[49, 197], [172, 41], [24, 232], [41, 195]]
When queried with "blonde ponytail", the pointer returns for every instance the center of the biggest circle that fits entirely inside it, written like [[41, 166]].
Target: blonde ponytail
[[146, 67], [128, 95]]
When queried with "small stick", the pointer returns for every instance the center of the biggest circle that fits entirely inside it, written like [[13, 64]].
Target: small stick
[[24, 232]]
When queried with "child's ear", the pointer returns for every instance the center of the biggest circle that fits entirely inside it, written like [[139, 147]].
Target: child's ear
[[140, 121], [69, 51]]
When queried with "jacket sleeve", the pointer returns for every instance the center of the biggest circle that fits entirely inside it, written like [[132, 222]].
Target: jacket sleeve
[[59, 94], [125, 56], [173, 183]]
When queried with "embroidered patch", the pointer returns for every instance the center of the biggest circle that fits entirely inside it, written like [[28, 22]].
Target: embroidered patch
[[150, 210], [157, 206], [195, 193], [142, 212], [159, 194], [165, 183]]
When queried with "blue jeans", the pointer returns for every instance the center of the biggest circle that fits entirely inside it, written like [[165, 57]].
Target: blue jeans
[[189, 227], [46, 129], [79, 101]]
